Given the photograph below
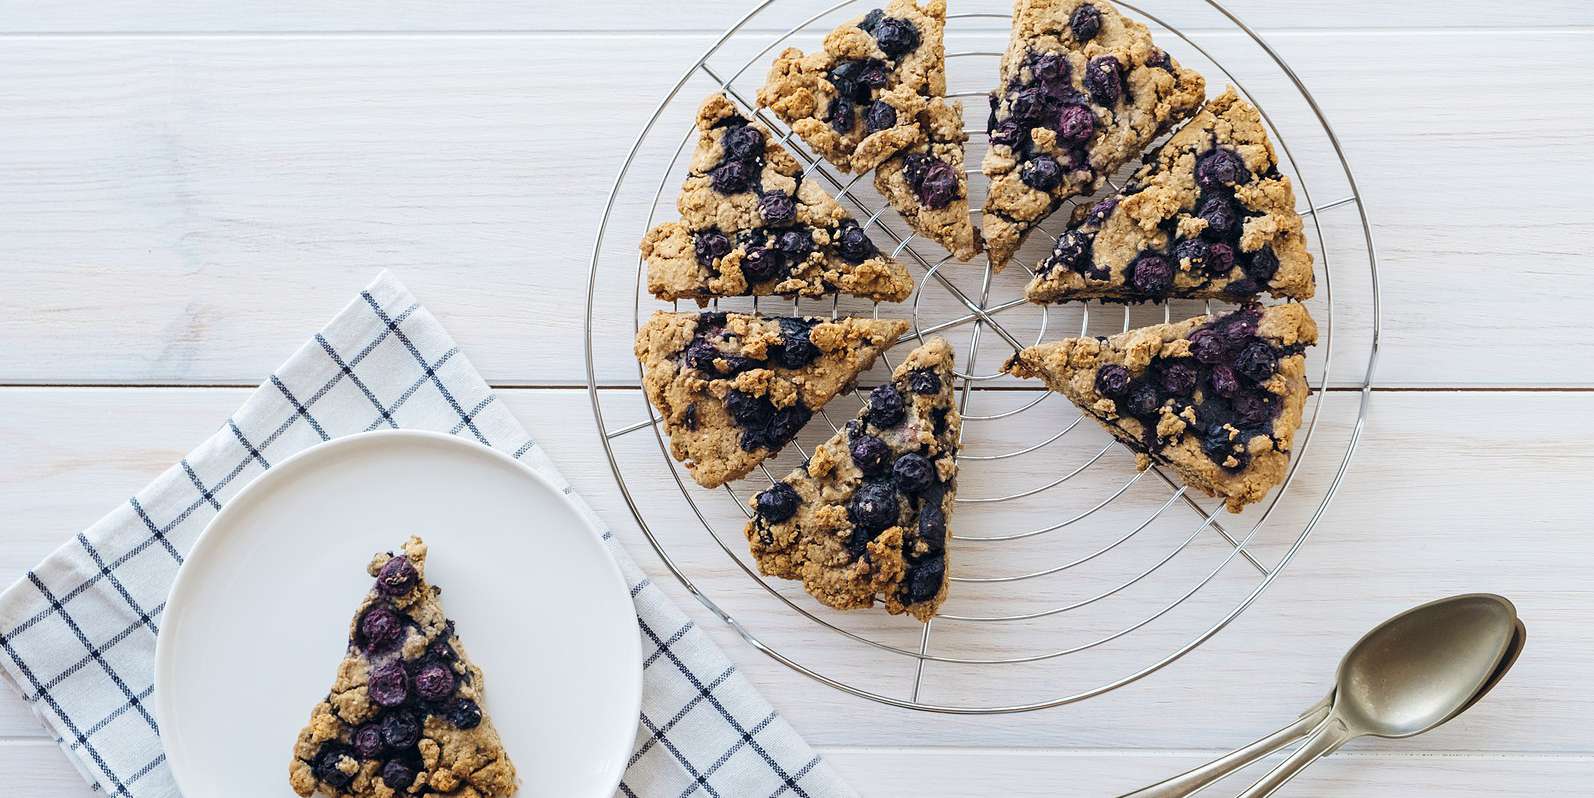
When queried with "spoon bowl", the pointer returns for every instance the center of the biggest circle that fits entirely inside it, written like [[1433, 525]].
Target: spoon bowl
[[1421, 668]]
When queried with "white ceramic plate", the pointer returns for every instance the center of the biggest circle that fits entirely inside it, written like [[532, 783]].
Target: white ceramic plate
[[258, 617]]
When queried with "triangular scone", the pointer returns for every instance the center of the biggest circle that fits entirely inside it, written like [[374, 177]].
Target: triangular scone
[[733, 389], [1084, 90], [1208, 216], [1217, 398], [927, 185], [752, 226], [866, 516], [405, 715], [858, 100]]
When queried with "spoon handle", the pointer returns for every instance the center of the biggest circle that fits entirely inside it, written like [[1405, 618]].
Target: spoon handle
[[1192, 781], [1328, 738]]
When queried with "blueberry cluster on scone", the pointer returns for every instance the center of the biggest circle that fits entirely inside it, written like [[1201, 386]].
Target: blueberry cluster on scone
[[857, 101], [1084, 90], [865, 518], [1217, 398], [1207, 216], [752, 226], [733, 388], [404, 716], [927, 183]]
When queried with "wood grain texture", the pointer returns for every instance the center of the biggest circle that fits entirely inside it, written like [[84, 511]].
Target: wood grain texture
[[123, 16], [174, 208]]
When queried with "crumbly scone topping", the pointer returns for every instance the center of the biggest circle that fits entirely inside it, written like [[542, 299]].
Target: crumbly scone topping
[[1208, 216], [926, 182], [1218, 398], [1084, 90], [858, 100], [752, 226], [404, 716], [733, 389], [866, 516]]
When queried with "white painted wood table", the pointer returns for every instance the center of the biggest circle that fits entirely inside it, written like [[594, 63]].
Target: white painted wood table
[[188, 189]]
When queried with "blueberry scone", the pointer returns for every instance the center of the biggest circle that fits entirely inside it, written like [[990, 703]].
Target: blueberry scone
[[865, 518], [926, 182], [732, 389], [1084, 90], [404, 716], [1216, 398], [858, 100], [1208, 216], [752, 226]]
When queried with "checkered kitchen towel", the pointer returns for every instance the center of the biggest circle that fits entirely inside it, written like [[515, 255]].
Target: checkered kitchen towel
[[77, 633]]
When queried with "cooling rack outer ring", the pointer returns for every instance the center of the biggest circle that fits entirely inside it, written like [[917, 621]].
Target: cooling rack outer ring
[[1363, 386]]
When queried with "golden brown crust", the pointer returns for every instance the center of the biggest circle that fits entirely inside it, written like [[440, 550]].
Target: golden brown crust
[[451, 761], [691, 402], [818, 544], [676, 272], [1156, 95], [1159, 206], [1070, 367], [800, 92]]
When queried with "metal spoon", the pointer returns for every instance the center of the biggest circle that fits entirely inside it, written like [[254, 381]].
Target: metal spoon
[[1408, 675]]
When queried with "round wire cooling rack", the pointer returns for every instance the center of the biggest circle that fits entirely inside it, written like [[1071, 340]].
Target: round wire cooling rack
[[1066, 585]]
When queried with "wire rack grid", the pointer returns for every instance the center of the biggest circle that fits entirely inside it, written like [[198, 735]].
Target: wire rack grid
[[974, 311]]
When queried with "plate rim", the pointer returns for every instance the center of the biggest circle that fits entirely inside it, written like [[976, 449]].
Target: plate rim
[[165, 714]]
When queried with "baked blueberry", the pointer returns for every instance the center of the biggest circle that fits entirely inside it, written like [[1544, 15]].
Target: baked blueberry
[[886, 406], [795, 245], [896, 37], [700, 355], [924, 382], [880, 116], [1262, 265], [1179, 379], [1218, 446], [710, 246], [841, 116], [401, 728], [367, 740], [925, 578], [1143, 402], [796, 348], [748, 410], [1104, 79], [397, 576], [777, 208], [1192, 251], [1237, 328], [397, 775], [732, 177], [380, 629], [389, 685], [1219, 215], [1253, 408], [761, 265], [853, 243], [914, 167], [434, 681], [1028, 106], [1008, 133], [1075, 124], [1220, 258], [1041, 173], [743, 143], [1219, 168], [463, 713], [1112, 381], [871, 20], [335, 765], [1224, 381], [1207, 346], [1151, 274], [778, 503], [786, 423], [1100, 211], [1085, 22], [1049, 68], [912, 472], [939, 186], [873, 506], [932, 524], [1071, 252], [870, 454], [1257, 361]]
